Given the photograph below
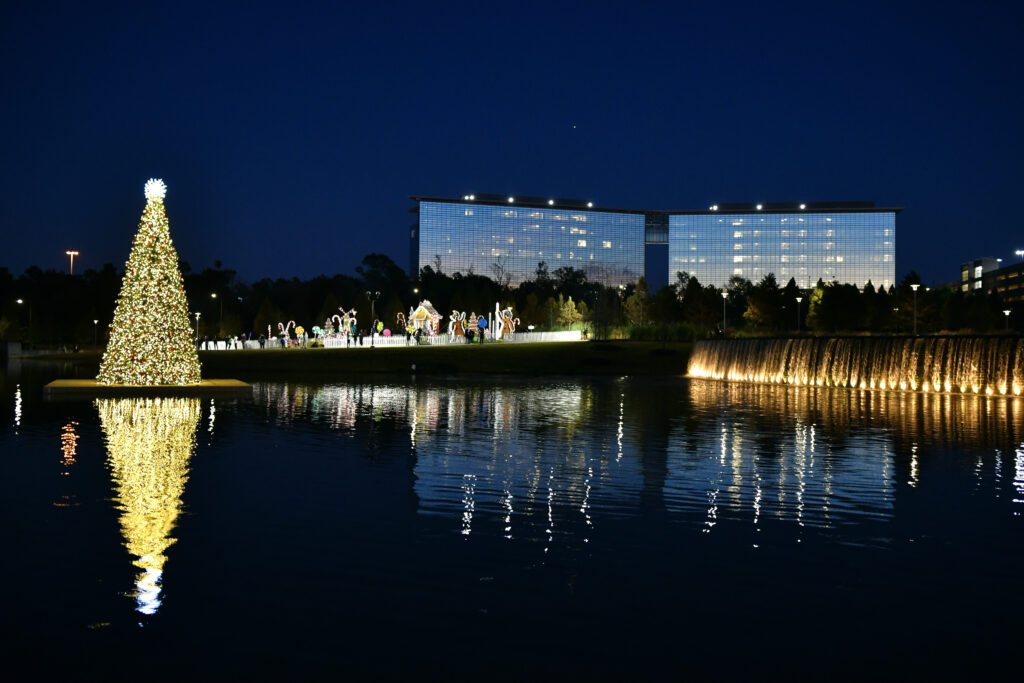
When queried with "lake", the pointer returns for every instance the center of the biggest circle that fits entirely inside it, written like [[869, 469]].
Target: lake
[[415, 527]]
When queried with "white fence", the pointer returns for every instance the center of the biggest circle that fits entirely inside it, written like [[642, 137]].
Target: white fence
[[397, 341]]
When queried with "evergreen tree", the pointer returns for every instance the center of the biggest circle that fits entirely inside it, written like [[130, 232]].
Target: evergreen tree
[[151, 338]]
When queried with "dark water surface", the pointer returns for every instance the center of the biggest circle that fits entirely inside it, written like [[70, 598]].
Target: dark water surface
[[512, 529]]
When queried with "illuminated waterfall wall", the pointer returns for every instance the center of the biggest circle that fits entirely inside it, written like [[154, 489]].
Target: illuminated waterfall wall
[[966, 365], [149, 444]]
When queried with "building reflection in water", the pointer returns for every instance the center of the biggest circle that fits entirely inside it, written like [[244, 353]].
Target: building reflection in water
[[149, 443], [547, 462]]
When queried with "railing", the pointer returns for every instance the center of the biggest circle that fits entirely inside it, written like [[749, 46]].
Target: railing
[[400, 341]]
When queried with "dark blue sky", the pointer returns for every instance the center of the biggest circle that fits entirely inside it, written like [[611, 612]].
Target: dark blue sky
[[291, 134]]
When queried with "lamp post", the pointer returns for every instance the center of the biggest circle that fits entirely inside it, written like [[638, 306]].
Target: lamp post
[[914, 287], [197, 326], [220, 319], [21, 302], [72, 254], [725, 295], [95, 333], [1020, 252], [373, 296], [1007, 314], [798, 300], [896, 316]]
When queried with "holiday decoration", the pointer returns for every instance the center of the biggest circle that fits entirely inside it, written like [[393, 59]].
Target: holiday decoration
[[506, 323], [425, 317], [151, 337], [456, 325]]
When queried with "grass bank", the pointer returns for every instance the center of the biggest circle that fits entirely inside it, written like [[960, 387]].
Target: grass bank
[[568, 358]]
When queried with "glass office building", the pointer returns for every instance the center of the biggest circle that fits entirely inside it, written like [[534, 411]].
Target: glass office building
[[496, 237], [851, 243]]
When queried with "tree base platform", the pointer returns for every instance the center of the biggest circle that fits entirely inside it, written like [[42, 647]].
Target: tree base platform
[[86, 389]]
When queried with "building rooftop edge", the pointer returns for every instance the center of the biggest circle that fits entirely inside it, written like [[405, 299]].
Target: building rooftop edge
[[723, 209]]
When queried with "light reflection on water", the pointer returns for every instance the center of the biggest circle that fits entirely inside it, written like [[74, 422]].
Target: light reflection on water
[[546, 463], [479, 512], [149, 444]]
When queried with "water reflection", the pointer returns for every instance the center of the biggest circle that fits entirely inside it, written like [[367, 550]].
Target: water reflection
[[149, 443], [550, 463], [17, 407]]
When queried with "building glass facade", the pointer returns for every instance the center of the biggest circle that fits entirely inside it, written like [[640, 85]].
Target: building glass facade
[[850, 247], [505, 240]]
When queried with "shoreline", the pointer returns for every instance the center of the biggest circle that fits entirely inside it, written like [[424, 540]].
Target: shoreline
[[573, 359]]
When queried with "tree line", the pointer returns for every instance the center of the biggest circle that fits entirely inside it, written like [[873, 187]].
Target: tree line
[[56, 308]]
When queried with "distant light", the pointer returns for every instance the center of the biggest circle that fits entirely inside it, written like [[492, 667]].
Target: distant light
[[590, 205], [465, 197], [214, 295], [799, 299], [511, 199], [914, 287], [21, 301], [998, 260], [759, 207], [551, 202], [472, 197], [725, 295], [803, 206]]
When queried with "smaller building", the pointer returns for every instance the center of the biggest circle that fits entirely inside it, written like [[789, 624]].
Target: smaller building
[[1007, 282], [972, 273]]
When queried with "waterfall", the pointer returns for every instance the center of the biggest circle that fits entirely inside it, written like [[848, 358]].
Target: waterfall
[[950, 364]]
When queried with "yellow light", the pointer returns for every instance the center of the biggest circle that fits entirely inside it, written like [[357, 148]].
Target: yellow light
[[149, 443]]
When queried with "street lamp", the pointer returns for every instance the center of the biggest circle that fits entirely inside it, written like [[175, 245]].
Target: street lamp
[[373, 296], [1007, 314], [197, 326], [725, 295], [914, 287], [95, 333], [72, 254], [21, 302], [1020, 252], [798, 300], [896, 316], [220, 319]]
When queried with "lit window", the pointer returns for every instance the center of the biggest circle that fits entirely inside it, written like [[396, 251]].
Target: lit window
[[737, 234], [581, 243], [977, 285], [977, 271], [737, 246], [737, 259], [606, 244]]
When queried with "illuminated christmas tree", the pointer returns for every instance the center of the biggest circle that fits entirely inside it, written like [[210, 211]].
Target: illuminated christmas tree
[[151, 339]]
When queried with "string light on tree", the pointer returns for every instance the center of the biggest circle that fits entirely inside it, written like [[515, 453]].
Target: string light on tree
[[151, 335]]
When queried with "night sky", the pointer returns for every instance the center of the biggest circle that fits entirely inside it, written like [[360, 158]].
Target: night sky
[[291, 135]]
